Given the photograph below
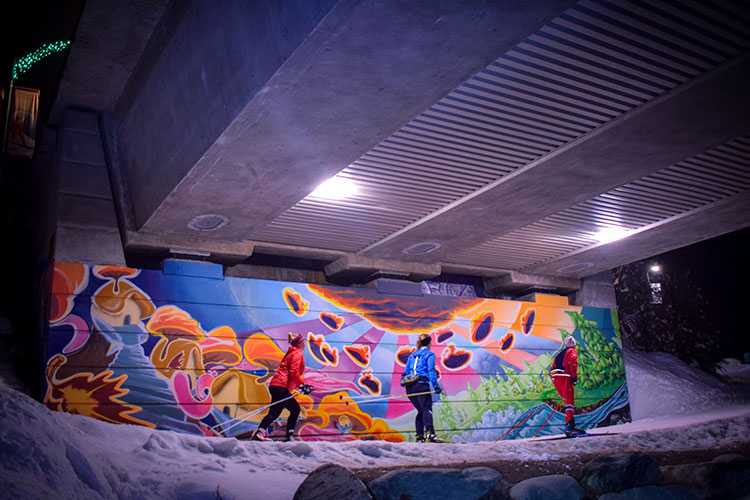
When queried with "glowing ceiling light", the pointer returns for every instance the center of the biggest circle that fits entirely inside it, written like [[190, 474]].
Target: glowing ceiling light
[[610, 234], [335, 188], [655, 268]]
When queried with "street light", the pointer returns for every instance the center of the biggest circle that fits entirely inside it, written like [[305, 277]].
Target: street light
[[655, 283]]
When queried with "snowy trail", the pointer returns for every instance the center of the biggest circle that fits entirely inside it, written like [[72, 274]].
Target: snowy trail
[[45, 454]]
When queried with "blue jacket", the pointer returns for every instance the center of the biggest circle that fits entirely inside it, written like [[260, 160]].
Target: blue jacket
[[422, 362]]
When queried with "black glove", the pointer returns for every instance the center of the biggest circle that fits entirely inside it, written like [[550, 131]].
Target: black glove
[[438, 390], [575, 381], [305, 388]]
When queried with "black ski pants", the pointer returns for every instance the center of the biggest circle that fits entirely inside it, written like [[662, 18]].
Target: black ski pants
[[277, 394], [423, 404]]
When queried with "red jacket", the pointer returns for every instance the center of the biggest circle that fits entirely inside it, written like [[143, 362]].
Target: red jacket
[[289, 374], [565, 363]]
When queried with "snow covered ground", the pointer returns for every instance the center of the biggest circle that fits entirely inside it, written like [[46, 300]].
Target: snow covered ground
[[49, 455]]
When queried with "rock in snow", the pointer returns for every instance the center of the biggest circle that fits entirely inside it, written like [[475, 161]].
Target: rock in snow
[[472, 483], [552, 487], [620, 471]]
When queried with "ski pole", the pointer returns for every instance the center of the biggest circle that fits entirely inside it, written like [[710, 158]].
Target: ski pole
[[519, 423], [366, 399], [241, 418], [545, 422]]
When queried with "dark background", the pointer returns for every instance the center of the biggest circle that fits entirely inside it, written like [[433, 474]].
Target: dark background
[[704, 298]]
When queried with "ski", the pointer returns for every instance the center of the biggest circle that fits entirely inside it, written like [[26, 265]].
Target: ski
[[268, 439], [582, 435]]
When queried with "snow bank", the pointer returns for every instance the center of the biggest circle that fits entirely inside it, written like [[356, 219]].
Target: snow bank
[[660, 385], [45, 454]]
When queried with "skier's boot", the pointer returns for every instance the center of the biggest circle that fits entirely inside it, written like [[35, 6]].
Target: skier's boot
[[289, 436], [419, 439], [432, 438], [571, 430], [260, 435]]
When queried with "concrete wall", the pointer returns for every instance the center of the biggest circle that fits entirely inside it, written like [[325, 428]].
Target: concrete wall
[[191, 350]]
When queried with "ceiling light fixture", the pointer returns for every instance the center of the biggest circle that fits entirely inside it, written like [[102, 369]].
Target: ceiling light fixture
[[335, 188], [208, 222], [421, 248], [610, 234]]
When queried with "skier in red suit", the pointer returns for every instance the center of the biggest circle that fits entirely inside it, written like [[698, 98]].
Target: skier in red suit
[[283, 386], [564, 373]]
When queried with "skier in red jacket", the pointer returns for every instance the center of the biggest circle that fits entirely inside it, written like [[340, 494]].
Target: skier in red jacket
[[288, 380], [564, 373]]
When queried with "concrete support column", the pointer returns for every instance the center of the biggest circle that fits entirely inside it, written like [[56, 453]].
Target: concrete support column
[[87, 229], [596, 290]]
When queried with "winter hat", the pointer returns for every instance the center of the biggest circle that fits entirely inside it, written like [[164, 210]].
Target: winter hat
[[569, 342], [423, 340], [295, 339]]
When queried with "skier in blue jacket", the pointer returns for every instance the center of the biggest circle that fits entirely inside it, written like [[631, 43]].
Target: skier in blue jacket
[[417, 377]]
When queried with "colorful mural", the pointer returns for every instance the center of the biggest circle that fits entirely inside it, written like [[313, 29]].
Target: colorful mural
[[194, 353]]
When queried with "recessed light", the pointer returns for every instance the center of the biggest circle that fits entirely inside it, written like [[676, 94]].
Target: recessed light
[[335, 188], [208, 222], [421, 248]]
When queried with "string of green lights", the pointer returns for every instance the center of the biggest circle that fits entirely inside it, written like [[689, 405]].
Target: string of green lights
[[27, 61]]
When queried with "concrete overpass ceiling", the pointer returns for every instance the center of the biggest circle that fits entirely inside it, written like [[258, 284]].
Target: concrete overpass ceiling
[[484, 138], [646, 203], [586, 70]]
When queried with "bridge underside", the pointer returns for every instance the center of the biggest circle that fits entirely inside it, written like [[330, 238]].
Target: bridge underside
[[498, 140]]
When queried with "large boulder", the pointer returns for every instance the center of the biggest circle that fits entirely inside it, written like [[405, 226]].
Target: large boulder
[[552, 487], [473, 483], [726, 477], [620, 471], [651, 493], [332, 481]]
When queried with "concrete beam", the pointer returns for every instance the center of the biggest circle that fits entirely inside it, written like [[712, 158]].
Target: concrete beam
[[202, 67], [108, 44], [354, 268], [597, 290], [516, 284], [276, 274], [86, 222], [708, 111], [273, 100], [175, 245]]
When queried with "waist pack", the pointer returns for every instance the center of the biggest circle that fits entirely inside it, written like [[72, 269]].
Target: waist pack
[[410, 379]]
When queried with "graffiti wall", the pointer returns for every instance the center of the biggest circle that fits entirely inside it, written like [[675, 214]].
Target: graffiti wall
[[189, 350]]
